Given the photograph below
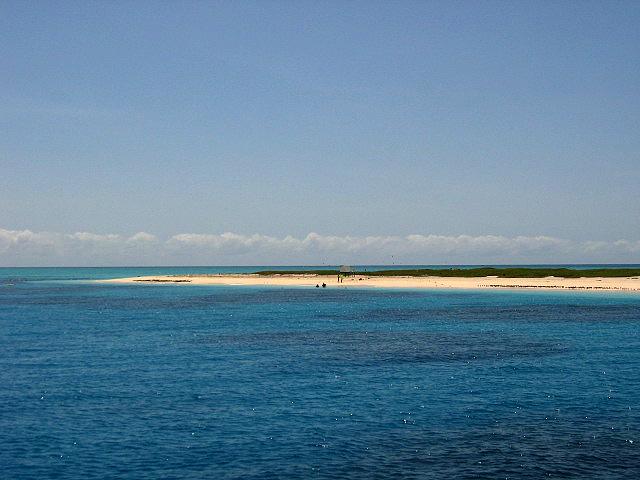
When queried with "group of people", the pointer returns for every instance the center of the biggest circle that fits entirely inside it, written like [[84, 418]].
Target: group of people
[[324, 285]]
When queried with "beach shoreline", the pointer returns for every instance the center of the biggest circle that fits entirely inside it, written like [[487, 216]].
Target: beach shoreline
[[627, 284]]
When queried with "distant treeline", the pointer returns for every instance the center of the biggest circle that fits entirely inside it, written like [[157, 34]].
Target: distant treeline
[[475, 272]]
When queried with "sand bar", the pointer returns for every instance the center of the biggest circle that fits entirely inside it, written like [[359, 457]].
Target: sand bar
[[630, 284]]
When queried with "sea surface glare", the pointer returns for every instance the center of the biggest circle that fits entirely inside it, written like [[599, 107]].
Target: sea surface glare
[[189, 382]]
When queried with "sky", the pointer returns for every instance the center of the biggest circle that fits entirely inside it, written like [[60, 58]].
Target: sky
[[283, 132]]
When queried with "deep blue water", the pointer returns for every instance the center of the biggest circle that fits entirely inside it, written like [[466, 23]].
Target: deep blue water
[[182, 381]]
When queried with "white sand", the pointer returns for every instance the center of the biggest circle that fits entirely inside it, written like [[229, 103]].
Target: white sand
[[620, 283]]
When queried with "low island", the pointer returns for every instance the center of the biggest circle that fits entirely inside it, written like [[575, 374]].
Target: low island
[[622, 279]]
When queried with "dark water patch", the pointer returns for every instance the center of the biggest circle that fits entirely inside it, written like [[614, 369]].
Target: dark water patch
[[512, 454], [377, 348], [515, 313]]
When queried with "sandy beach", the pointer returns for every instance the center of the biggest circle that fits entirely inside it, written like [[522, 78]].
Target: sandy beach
[[550, 283]]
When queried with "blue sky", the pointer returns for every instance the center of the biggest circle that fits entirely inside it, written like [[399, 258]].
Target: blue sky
[[358, 119]]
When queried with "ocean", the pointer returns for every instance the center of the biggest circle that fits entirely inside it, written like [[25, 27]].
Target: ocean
[[228, 382]]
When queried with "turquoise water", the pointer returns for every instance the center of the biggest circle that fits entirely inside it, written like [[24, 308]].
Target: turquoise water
[[183, 381], [93, 273]]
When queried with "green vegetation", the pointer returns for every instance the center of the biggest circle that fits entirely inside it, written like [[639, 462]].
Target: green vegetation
[[477, 272]]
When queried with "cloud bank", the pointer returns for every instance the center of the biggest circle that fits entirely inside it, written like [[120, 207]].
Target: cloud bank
[[28, 248]]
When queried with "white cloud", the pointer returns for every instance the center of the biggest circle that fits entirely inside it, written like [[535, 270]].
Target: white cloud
[[25, 247], [142, 237]]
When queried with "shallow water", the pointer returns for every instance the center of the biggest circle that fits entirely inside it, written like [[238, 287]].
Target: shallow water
[[181, 381]]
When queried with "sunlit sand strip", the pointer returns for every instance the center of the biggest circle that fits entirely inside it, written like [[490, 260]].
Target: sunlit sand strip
[[631, 284]]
